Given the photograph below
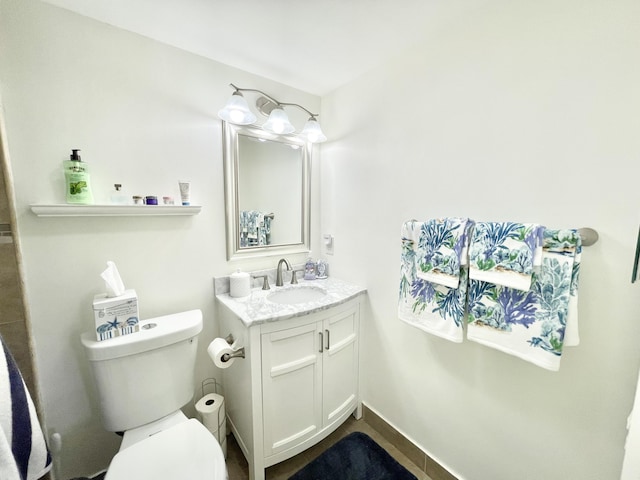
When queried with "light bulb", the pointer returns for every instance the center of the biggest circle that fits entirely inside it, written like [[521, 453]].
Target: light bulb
[[313, 132], [278, 122], [236, 116], [237, 111]]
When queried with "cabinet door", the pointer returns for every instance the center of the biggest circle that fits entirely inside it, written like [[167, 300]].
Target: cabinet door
[[291, 382], [340, 365]]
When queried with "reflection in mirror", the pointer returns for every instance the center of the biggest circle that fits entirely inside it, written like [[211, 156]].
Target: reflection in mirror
[[266, 192], [269, 183]]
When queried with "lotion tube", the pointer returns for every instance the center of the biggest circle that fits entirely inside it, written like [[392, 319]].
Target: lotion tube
[[185, 192]]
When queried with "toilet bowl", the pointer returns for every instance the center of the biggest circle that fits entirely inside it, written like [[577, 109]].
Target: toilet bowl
[[143, 379]]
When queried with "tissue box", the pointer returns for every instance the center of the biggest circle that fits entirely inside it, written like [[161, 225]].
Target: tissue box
[[116, 316]]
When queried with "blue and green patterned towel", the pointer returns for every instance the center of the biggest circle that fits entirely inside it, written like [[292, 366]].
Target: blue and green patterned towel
[[505, 253], [529, 324], [442, 249], [569, 243], [255, 228], [433, 308]]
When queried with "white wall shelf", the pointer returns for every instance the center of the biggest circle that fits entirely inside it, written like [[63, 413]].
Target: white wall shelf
[[66, 210]]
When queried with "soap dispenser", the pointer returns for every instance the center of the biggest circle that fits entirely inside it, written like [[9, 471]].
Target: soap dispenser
[[310, 269], [76, 173]]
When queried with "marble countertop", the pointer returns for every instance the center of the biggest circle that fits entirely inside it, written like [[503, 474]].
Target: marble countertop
[[255, 308]]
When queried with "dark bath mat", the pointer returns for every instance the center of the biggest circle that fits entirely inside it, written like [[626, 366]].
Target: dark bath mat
[[355, 457]]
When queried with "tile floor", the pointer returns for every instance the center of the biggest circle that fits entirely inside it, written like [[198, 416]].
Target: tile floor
[[238, 469]]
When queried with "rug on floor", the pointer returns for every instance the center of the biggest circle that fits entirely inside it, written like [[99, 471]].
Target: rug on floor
[[355, 457]]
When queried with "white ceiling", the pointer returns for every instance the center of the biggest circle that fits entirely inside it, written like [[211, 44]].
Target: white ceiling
[[315, 46]]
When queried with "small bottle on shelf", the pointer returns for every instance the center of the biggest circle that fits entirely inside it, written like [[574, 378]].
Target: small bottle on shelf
[[118, 197]]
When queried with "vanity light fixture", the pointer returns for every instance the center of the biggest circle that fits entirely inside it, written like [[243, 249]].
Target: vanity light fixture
[[237, 111]]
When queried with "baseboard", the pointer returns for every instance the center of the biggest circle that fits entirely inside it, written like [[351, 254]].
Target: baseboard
[[421, 459]]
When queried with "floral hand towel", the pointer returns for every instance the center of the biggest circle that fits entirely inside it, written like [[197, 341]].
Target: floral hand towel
[[505, 253], [255, 228], [433, 308], [568, 242], [442, 250], [528, 324]]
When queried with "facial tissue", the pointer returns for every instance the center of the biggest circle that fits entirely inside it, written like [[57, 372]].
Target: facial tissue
[[116, 311]]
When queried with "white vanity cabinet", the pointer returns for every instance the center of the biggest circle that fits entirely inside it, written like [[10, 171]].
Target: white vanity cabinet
[[309, 377], [297, 384]]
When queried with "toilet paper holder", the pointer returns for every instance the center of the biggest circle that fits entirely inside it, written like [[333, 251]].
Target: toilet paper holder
[[237, 353]]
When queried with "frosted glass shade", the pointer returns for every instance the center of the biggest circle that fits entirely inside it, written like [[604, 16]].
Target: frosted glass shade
[[237, 111], [278, 122], [313, 132]]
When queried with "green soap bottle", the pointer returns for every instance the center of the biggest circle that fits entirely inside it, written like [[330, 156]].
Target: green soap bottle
[[76, 174]]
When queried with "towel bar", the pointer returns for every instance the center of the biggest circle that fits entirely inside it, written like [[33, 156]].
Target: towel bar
[[589, 235]]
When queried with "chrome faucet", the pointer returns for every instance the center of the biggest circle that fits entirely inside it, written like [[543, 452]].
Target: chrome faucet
[[279, 281]]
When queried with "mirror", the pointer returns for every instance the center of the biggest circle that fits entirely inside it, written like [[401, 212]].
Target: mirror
[[266, 192]]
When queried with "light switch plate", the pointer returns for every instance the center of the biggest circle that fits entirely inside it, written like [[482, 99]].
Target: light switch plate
[[327, 238]]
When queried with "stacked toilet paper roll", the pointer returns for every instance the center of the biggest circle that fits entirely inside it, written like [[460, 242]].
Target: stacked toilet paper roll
[[211, 412], [239, 284]]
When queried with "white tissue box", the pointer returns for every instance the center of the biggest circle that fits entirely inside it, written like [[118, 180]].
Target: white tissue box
[[116, 316]]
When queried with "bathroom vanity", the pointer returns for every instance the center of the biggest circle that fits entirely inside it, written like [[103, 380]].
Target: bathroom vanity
[[299, 379]]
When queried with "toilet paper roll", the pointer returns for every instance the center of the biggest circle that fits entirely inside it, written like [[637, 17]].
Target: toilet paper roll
[[217, 351], [239, 284], [211, 412]]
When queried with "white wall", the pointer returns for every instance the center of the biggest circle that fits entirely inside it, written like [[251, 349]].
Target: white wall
[[144, 115], [631, 463], [524, 111]]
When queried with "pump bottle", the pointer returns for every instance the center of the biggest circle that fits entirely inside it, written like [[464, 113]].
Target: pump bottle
[[310, 268], [76, 173]]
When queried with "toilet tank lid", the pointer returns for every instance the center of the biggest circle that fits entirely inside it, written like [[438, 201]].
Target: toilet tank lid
[[154, 333]]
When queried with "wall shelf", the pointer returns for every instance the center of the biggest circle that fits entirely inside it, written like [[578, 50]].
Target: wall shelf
[[66, 210]]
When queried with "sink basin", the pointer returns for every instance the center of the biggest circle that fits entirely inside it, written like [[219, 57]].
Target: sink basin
[[293, 295]]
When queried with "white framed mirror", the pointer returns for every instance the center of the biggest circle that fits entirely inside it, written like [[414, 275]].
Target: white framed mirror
[[266, 184]]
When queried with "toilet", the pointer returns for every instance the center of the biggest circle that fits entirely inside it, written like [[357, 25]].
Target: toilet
[[143, 380]]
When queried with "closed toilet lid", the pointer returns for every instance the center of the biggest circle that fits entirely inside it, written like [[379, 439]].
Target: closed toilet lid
[[185, 451]]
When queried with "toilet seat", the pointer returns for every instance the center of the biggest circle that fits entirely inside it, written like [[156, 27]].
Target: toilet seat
[[187, 450]]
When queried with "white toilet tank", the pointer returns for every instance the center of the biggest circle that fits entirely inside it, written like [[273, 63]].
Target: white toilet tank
[[145, 375]]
